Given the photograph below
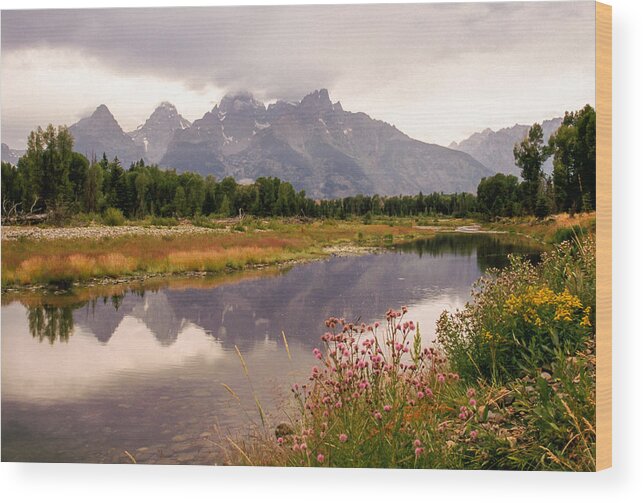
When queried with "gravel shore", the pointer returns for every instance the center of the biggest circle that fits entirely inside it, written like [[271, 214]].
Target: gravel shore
[[10, 233]]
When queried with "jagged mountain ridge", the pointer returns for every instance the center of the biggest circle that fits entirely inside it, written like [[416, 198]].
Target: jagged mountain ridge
[[155, 134], [318, 147], [494, 149]]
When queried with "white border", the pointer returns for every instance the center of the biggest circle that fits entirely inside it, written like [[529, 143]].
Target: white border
[[96, 483]]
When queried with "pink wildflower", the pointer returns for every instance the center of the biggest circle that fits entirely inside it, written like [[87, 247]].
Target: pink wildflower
[[471, 392], [280, 440], [473, 434], [419, 451], [387, 408], [343, 437], [320, 458]]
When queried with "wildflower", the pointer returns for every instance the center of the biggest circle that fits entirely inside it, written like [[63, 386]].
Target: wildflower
[[343, 437], [280, 440], [378, 415], [471, 392], [473, 435], [303, 447], [473, 402], [441, 378], [387, 408], [419, 451], [420, 395], [417, 442], [320, 458]]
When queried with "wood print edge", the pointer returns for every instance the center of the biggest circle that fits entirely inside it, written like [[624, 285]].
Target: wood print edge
[[603, 236]]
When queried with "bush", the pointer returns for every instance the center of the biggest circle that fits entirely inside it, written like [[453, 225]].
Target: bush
[[522, 315], [113, 217], [164, 221]]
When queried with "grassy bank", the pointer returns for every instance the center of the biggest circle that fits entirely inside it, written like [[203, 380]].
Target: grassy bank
[[551, 230], [510, 384], [61, 261], [63, 256]]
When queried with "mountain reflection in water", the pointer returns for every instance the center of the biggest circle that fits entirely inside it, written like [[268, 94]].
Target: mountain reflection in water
[[88, 375]]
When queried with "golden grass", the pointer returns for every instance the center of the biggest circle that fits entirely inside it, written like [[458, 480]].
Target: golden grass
[[29, 261], [546, 230]]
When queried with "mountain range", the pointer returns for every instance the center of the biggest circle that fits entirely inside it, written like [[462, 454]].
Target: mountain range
[[313, 143], [494, 149]]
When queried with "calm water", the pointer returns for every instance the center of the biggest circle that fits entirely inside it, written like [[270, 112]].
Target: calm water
[[88, 376]]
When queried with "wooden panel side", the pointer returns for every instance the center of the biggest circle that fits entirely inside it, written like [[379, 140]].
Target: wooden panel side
[[603, 236]]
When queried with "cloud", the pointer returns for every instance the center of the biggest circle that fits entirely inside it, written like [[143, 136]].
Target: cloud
[[289, 50], [438, 71]]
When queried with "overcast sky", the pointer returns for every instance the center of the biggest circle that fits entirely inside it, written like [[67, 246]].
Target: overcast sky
[[439, 72]]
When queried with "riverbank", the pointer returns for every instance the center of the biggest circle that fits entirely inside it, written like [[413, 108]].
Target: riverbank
[[510, 384], [67, 256], [62, 257]]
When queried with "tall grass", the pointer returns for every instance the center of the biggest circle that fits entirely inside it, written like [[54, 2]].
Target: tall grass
[[28, 261]]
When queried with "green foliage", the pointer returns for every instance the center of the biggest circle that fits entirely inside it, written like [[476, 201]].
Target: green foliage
[[113, 217], [498, 195], [574, 150], [530, 154], [521, 316], [542, 208]]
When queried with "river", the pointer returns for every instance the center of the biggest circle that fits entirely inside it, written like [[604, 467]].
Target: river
[[89, 375]]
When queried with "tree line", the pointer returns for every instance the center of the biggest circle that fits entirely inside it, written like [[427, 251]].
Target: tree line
[[570, 188], [50, 178]]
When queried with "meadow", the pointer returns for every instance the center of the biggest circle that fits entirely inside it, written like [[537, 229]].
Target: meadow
[[219, 246]]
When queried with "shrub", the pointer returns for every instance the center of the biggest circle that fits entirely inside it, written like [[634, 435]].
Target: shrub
[[163, 221], [113, 217], [522, 315], [377, 399]]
